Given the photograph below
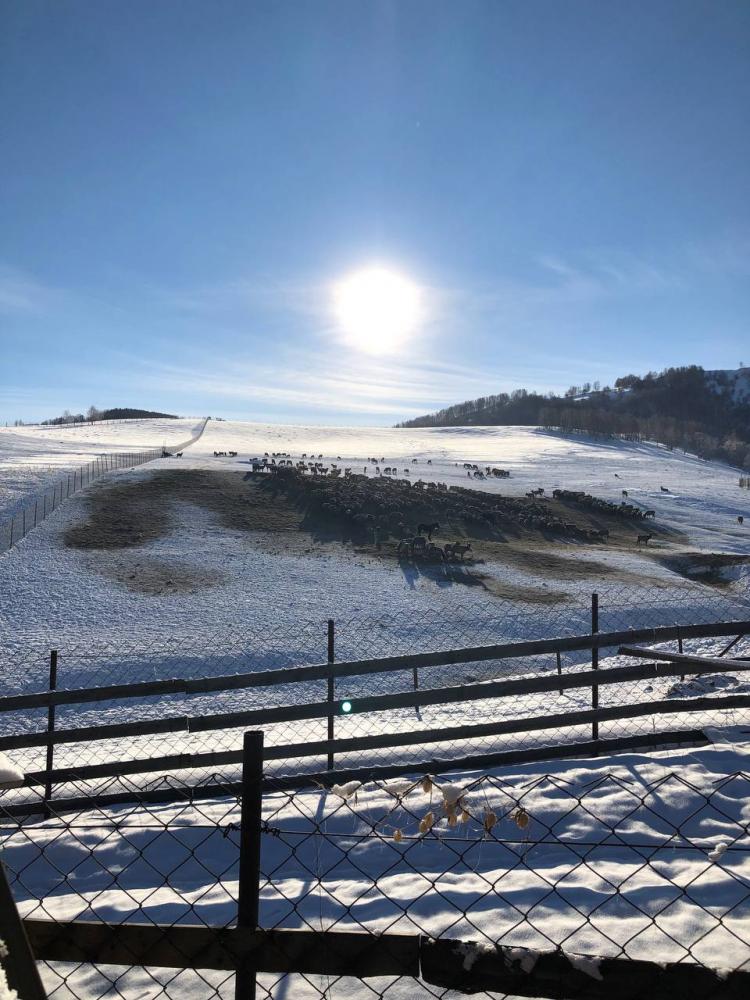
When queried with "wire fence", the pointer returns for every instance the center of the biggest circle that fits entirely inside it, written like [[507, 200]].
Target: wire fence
[[626, 879], [32, 510], [359, 693]]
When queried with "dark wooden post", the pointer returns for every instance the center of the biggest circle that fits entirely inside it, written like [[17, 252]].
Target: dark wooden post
[[249, 879], [50, 730], [679, 650], [331, 687], [19, 965], [559, 667], [594, 662]]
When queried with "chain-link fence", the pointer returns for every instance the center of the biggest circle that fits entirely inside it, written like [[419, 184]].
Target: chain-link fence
[[614, 878], [32, 510], [324, 704]]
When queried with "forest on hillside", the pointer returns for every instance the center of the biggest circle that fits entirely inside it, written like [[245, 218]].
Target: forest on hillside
[[93, 414], [686, 408]]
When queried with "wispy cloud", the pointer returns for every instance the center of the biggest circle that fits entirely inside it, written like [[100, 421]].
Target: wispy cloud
[[330, 383], [242, 294], [728, 256], [20, 293]]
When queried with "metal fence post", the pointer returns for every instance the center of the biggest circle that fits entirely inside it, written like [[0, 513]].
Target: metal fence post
[[50, 730], [594, 662], [18, 964], [331, 687], [249, 878], [679, 650], [559, 668]]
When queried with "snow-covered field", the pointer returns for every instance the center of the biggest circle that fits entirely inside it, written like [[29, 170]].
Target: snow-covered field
[[65, 596], [240, 582], [72, 443], [31, 458], [221, 599]]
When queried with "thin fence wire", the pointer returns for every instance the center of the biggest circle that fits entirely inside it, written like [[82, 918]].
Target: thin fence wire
[[32, 510]]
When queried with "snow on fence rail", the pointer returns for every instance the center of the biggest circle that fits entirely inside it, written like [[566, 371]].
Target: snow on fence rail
[[331, 715], [43, 503], [611, 879]]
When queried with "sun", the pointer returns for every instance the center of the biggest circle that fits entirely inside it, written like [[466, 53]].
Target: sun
[[377, 309]]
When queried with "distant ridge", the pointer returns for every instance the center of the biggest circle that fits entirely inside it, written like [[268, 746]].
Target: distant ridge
[[117, 413], [704, 412]]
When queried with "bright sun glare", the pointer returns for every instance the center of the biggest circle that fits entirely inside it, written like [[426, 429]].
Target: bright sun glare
[[377, 309]]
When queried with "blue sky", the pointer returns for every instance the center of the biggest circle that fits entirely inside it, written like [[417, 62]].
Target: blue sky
[[181, 184]]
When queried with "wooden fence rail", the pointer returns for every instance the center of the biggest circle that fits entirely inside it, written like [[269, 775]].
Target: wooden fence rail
[[354, 668], [218, 788], [377, 703], [438, 962]]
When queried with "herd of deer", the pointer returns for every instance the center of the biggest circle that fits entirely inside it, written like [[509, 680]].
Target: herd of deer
[[417, 544]]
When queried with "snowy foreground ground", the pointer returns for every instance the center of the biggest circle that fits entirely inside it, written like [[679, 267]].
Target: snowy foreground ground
[[639, 855]]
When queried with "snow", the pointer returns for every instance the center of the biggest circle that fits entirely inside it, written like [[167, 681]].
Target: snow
[[71, 444], [346, 790], [32, 458], [588, 965], [6, 993], [267, 609], [523, 957], [704, 497], [9, 774], [718, 852], [615, 861], [735, 381], [58, 592], [470, 951]]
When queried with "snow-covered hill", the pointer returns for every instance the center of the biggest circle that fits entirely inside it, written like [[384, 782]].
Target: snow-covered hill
[[735, 382], [70, 444], [703, 499], [31, 458], [247, 580]]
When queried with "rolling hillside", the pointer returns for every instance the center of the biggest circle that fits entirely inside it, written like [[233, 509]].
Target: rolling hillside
[[704, 412]]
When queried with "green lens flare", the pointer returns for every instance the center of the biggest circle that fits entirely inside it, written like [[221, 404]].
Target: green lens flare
[[346, 706]]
